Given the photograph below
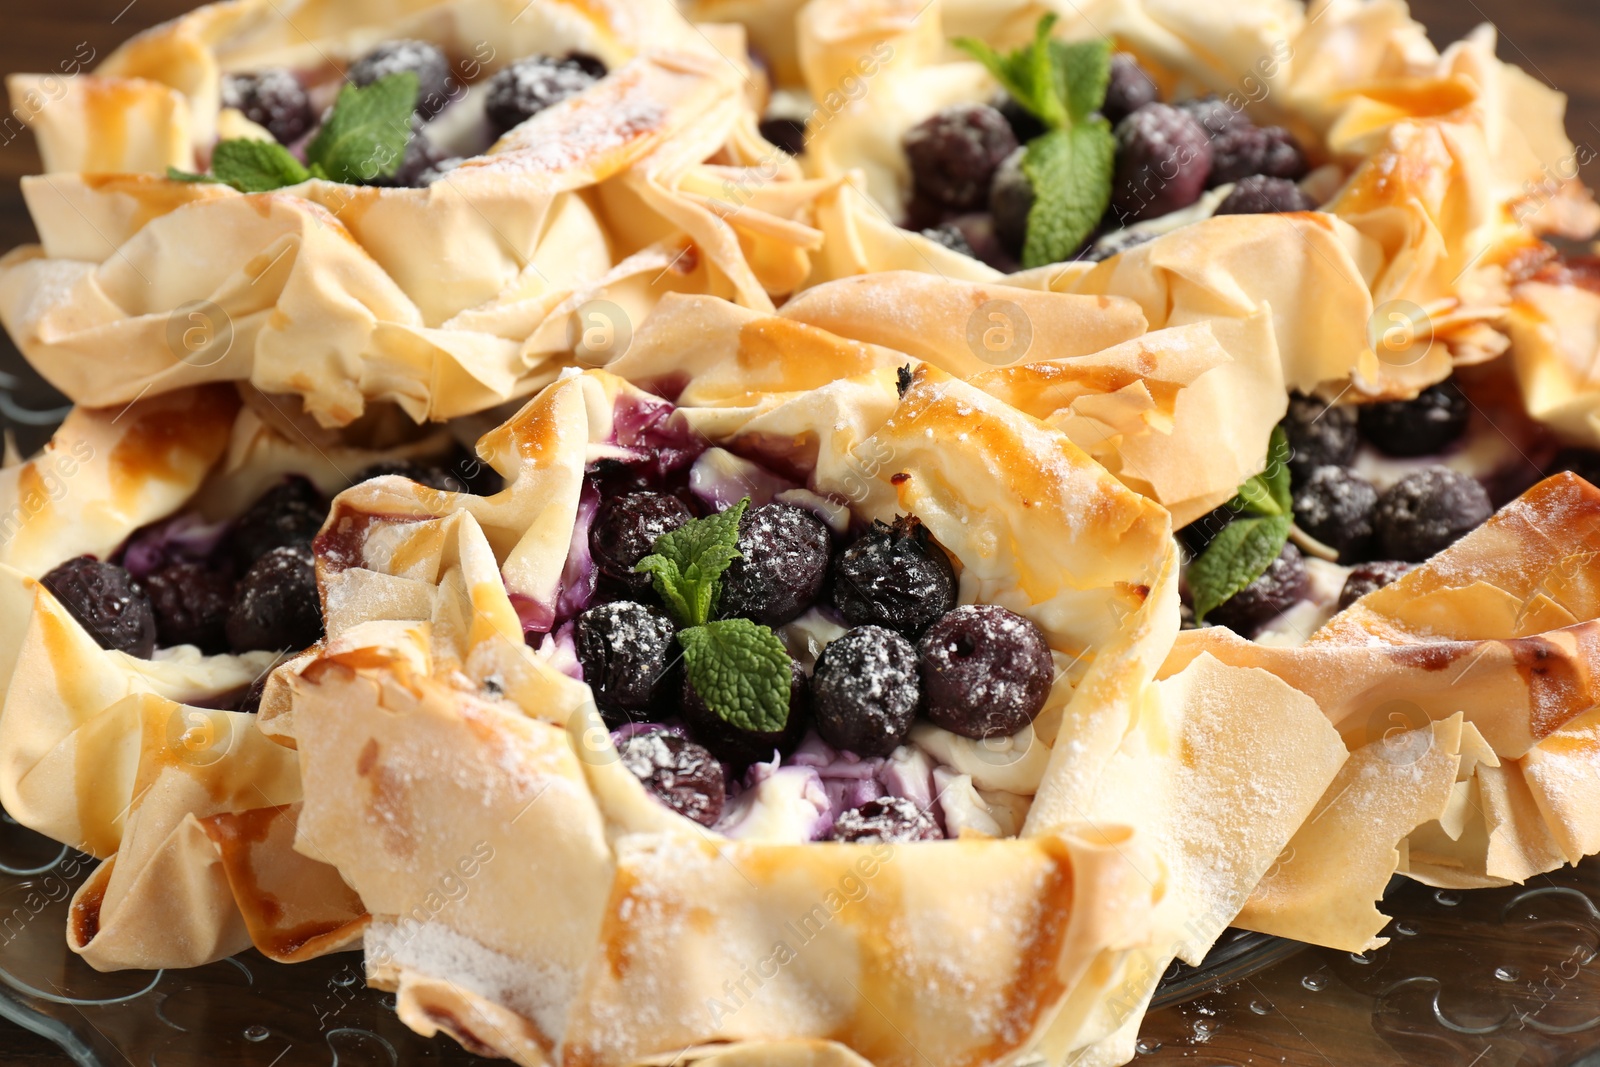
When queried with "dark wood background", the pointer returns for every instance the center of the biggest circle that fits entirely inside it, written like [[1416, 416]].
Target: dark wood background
[[1557, 41]]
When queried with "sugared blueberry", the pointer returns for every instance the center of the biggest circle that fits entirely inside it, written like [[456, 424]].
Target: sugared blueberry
[[1024, 123], [1335, 506], [629, 658], [737, 747], [1261, 195], [273, 99], [894, 577], [950, 235], [1129, 89], [865, 691], [423, 474], [1320, 435], [1427, 512], [276, 607], [1010, 201], [679, 773], [625, 532], [418, 164], [954, 154], [1283, 585], [435, 86], [782, 565], [787, 134], [1215, 115], [1244, 150], [885, 821], [529, 86], [986, 671], [1367, 577], [1420, 427], [108, 602], [290, 513], [191, 603], [1163, 160]]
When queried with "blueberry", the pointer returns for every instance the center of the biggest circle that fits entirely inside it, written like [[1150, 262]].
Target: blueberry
[[1215, 115], [419, 164], [986, 671], [250, 702], [950, 235], [593, 66], [1025, 125], [625, 531], [1261, 195], [629, 656], [894, 577], [1584, 462], [436, 172], [1010, 201], [1364, 578], [275, 607], [886, 821], [1319, 434], [107, 602], [273, 99], [787, 134], [434, 83], [1130, 88], [679, 773], [782, 568], [1427, 512], [1115, 243], [865, 690], [290, 513], [1283, 585], [1243, 150], [1335, 506], [954, 154], [431, 476], [529, 86], [191, 603], [738, 748], [1163, 159], [1420, 427]]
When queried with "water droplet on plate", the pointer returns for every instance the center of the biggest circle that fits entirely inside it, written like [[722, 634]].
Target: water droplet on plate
[[1203, 1029], [1507, 974], [1446, 898], [1315, 982], [256, 1033], [346, 978], [1405, 929], [1357, 957], [1145, 1047], [1261, 1007]]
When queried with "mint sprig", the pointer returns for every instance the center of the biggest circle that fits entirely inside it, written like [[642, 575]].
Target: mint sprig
[[1070, 165], [1246, 547], [364, 138], [740, 669]]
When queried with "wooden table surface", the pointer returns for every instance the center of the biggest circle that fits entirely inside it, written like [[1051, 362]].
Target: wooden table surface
[[1558, 41]]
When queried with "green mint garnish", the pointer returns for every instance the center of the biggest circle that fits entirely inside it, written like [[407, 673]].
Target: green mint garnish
[[685, 564], [364, 138], [740, 669], [1246, 547], [1070, 165]]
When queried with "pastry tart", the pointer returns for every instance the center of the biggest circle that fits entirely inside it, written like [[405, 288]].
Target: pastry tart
[[441, 728], [436, 261], [155, 569], [1434, 174]]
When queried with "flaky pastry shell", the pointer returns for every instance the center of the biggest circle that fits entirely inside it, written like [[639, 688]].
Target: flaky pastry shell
[[446, 300], [432, 735], [1466, 694], [1447, 166], [135, 761]]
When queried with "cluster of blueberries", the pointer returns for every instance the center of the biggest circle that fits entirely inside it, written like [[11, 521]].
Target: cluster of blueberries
[[244, 586], [970, 192], [977, 670], [277, 101]]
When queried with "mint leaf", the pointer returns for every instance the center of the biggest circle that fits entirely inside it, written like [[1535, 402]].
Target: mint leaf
[[366, 136], [1239, 555], [1082, 70], [1026, 73], [1070, 171], [189, 176], [256, 166], [1268, 493], [741, 670], [686, 563]]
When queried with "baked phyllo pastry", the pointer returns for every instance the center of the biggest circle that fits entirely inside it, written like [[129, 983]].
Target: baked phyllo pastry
[[433, 207], [986, 138], [155, 573], [787, 687]]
